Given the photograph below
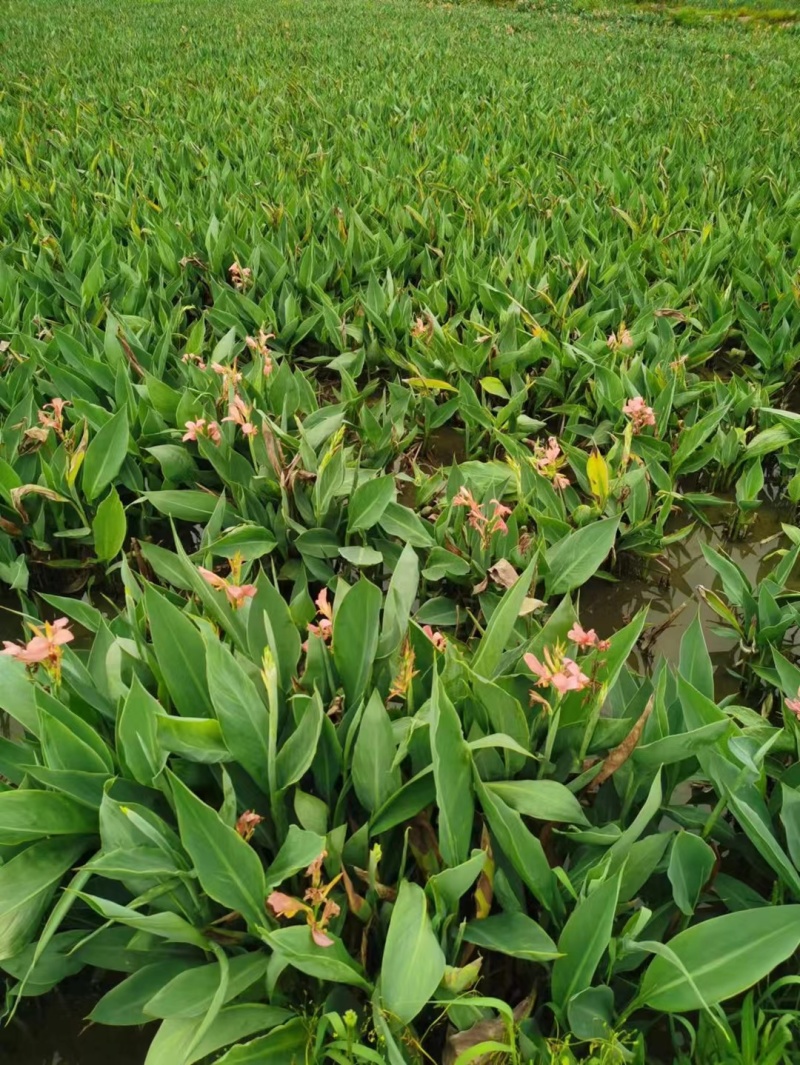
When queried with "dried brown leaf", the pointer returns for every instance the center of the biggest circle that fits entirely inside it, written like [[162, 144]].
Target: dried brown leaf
[[622, 751], [492, 1029]]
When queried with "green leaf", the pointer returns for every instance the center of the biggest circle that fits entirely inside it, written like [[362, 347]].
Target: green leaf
[[284, 1046], [521, 847], [695, 661], [722, 957], [109, 527], [355, 638], [137, 734], [413, 962], [546, 800], [514, 934], [232, 1024], [181, 655], [583, 941], [28, 814], [578, 556], [299, 850], [198, 739], [790, 818], [361, 556], [28, 882], [124, 1004], [374, 778], [501, 625], [105, 455], [270, 625], [228, 868], [240, 710], [183, 504], [296, 947], [452, 773], [451, 884], [368, 503], [399, 601], [691, 863], [299, 751], [190, 994]]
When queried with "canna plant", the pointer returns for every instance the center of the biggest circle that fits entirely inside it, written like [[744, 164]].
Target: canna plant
[[291, 837]]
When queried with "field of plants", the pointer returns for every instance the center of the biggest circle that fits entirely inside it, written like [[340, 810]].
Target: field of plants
[[399, 535]]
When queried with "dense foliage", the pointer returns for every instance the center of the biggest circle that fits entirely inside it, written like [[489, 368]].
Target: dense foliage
[[342, 345]]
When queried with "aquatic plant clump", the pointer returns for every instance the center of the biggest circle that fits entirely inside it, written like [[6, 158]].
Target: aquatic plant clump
[[398, 488]]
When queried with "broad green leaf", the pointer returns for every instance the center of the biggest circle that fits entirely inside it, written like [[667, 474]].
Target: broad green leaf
[[299, 850], [137, 734], [583, 941], [181, 656], [109, 527], [695, 661], [28, 814], [124, 1004], [514, 934], [521, 847], [355, 638], [190, 994], [231, 1025], [501, 625], [721, 957], [198, 739], [28, 882], [283, 1046], [572, 560], [228, 868], [295, 945], [105, 455], [546, 800], [374, 778], [270, 625], [413, 962], [691, 863], [368, 503], [452, 774], [241, 711], [300, 749]]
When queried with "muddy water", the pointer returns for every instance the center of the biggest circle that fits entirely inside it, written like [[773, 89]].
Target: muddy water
[[606, 606], [50, 1031]]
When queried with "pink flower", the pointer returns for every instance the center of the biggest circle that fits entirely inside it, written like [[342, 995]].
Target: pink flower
[[240, 276], [485, 526], [560, 672], [248, 823], [285, 905], [190, 358], [624, 340], [239, 414], [45, 646], [202, 428], [794, 705], [640, 414], [319, 936], [237, 594], [581, 637], [324, 626], [438, 639], [56, 420], [548, 460]]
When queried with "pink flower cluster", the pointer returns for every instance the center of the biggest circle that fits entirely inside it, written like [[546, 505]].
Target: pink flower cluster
[[623, 340], [202, 428], [558, 671], [324, 626], [316, 897], [241, 277], [239, 414], [639, 413], [189, 358], [258, 345], [438, 639], [45, 646], [586, 640], [237, 594], [485, 525], [55, 420], [794, 705], [548, 461]]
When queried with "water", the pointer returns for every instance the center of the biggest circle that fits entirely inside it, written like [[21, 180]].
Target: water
[[672, 593], [51, 1030]]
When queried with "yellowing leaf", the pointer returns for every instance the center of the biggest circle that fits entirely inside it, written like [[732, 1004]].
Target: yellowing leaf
[[597, 472]]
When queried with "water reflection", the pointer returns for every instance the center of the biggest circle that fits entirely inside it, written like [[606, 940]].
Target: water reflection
[[51, 1031], [606, 606]]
